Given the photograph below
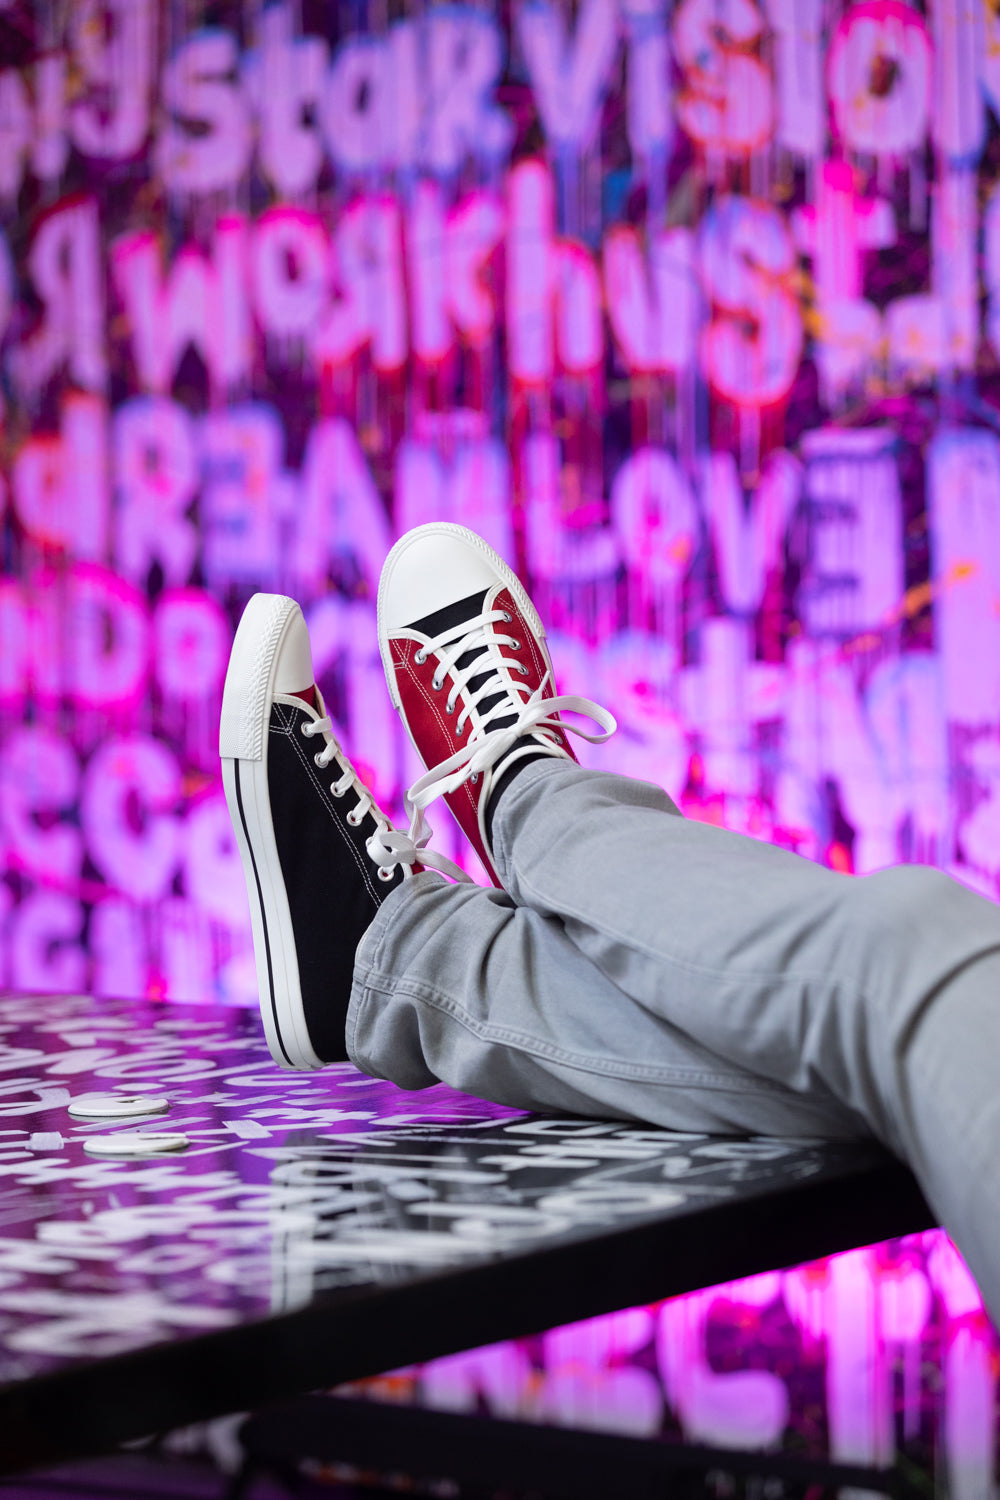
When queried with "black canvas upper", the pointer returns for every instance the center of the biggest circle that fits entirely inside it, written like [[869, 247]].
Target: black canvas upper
[[331, 881]]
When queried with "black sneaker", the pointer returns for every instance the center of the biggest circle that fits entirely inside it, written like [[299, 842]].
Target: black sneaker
[[318, 855]]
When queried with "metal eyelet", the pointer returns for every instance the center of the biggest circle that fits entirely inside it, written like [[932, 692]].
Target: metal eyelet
[[420, 657], [449, 708], [334, 792], [354, 822], [515, 645], [437, 686], [306, 728], [384, 873], [522, 669], [318, 758], [474, 777], [507, 617]]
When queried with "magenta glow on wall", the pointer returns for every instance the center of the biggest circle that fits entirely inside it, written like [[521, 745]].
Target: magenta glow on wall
[[691, 309]]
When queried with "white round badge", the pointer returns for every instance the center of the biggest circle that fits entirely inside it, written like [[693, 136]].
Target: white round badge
[[117, 1106], [136, 1143]]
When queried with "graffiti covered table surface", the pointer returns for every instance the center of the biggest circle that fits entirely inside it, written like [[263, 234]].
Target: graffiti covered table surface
[[320, 1227]]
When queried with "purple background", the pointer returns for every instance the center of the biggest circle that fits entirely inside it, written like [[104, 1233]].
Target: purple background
[[690, 309]]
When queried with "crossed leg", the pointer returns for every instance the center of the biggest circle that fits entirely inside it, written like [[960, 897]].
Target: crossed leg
[[629, 963], [650, 967]]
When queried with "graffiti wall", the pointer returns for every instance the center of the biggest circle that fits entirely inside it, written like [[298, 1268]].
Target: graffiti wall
[[692, 309]]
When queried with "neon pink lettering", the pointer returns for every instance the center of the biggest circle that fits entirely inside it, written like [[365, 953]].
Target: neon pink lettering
[[109, 116], [130, 789], [199, 302], [875, 39], [745, 250]]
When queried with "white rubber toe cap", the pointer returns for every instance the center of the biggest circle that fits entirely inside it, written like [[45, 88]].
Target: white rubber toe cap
[[431, 567], [270, 655]]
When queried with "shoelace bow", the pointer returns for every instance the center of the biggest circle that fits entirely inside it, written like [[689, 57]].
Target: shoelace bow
[[533, 712], [387, 847]]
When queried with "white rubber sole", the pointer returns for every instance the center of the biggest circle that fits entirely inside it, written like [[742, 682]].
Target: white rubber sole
[[246, 709], [505, 575]]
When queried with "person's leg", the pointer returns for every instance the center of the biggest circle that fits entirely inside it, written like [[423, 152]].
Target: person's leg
[[457, 984], [882, 991]]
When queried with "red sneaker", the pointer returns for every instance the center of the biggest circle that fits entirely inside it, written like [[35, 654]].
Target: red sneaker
[[452, 614]]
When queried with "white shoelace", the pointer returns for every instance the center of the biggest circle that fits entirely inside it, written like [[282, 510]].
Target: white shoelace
[[387, 847], [533, 713]]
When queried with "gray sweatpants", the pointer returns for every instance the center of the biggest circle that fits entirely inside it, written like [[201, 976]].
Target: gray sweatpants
[[644, 966]]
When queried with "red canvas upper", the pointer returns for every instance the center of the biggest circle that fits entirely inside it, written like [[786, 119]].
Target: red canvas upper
[[433, 730]]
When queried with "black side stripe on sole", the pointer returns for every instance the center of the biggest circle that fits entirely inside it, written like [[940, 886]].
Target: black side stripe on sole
[[263, 915]]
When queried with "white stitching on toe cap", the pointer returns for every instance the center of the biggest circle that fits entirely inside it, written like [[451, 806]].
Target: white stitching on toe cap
[[256, 710]]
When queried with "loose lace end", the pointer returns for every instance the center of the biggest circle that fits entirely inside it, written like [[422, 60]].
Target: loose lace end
[[536, 715]]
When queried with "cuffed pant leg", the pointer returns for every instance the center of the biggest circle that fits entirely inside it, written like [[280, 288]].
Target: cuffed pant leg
[[457, 984]]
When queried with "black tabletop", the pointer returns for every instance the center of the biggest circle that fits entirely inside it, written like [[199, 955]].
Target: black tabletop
[[319, 1227]]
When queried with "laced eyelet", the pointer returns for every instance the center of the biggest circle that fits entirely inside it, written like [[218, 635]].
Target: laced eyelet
[[354, 821], [507, 617], [384, 873], [306, 728], [449, 708], [334, 792], [474, 777], [437, 686], [318, 758], [420, 658]]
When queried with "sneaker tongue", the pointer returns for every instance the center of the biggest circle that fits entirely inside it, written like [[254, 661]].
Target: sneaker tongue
[[462, 610]]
